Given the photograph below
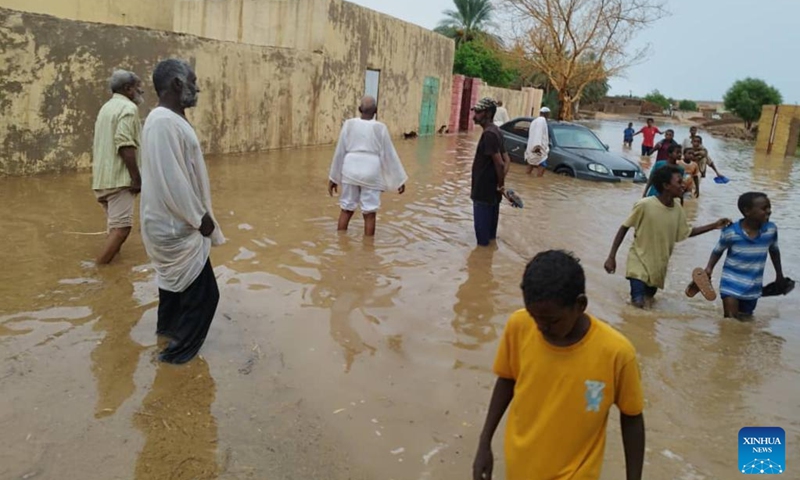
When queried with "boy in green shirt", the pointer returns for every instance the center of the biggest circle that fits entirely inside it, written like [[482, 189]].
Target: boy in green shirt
[[659, 223]]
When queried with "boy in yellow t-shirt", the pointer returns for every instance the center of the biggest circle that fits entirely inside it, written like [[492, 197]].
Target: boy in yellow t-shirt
[[561, 370]]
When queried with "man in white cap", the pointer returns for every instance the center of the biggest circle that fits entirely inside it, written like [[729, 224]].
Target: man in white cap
[[538, 144]]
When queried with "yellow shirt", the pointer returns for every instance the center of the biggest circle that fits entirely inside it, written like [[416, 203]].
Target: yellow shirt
[[658, 228], [556, 428], [118, 125]]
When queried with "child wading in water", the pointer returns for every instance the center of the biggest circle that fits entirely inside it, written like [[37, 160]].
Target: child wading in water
[[561, 370], [691, 173], [628, 136], [700, 156], [673, 157], [747, 242], [659, 223]]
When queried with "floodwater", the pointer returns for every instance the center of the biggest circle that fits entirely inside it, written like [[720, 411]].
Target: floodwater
[[332, 357]]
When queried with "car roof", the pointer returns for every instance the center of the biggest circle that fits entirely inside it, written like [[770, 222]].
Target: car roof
[[549, 122]]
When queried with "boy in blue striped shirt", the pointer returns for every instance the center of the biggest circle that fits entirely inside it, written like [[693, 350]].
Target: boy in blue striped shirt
[[748, 242]]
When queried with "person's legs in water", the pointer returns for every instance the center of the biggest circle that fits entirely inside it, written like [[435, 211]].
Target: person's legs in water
[[540, 169], [495, 221], [369, 224], [370, 201], [169, 311], [650, 295], [641, 293], [484, 218], [119, 208], [738, 309], [530, 168], [198, 304], [116, 237], [348, 201], [344, 220]]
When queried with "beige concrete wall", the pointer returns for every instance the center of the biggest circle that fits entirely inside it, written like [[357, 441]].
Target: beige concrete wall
[[53, 82], [300, 24], [515, 101], [784, 140], [155, 14], [350, 39]]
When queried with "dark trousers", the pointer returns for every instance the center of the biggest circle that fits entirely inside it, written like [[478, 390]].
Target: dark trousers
[[185, 317], [640, 290], [486, 218]]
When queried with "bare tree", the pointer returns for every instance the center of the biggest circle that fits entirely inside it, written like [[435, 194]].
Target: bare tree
[[576, 42]]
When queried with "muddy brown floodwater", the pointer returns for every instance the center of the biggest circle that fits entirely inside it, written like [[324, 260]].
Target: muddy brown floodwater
[[335, 358]]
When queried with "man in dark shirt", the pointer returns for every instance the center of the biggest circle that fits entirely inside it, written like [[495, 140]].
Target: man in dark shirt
[[488, 173]]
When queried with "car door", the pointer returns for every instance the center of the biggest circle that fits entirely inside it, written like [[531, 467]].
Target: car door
[[555, 157], [515, 134]]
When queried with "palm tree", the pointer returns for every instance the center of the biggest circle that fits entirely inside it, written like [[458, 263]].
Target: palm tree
[[470, 20]]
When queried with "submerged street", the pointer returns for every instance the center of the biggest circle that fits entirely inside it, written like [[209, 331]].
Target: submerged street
[[339, 358]]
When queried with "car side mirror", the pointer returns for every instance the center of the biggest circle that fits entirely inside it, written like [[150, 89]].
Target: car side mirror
[[607, 147]]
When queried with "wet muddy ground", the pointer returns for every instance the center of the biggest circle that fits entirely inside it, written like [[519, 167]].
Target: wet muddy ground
[[332, 357]]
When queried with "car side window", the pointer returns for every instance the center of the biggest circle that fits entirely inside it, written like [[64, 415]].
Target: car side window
[[520, 128]]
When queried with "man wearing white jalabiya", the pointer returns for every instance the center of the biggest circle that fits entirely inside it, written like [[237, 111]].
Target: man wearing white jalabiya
[[501, 117], [178, 226], [365, 164], [538, 143]]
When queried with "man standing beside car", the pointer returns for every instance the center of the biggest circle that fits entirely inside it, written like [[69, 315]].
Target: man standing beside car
[[538, 144]]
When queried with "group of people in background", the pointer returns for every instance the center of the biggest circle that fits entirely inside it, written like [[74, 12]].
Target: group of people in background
[[660, 222], [690, 157], [559, 395]]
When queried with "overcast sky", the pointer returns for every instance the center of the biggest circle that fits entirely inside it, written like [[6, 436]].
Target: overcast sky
[[696, 53]]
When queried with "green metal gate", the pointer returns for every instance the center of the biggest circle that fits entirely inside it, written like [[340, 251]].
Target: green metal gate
[[430, 100]]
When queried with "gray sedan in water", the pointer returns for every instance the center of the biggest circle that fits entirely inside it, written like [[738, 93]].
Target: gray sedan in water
[[575, 151]]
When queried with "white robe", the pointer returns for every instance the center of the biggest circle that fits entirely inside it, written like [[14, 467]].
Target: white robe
[[501, 117], [175, 196], [365, 156], [538, 136]]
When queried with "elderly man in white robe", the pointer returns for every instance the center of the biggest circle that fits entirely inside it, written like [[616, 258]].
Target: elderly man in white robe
[[365, 164], [538, 144], [178, 226]]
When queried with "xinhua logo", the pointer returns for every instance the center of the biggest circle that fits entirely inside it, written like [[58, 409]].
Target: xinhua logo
[[762, 450]]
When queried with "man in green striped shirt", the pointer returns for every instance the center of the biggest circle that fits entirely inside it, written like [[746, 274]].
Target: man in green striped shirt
[[116, 160]]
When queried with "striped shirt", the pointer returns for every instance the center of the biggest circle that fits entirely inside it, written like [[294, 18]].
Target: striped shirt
[[743, 272]]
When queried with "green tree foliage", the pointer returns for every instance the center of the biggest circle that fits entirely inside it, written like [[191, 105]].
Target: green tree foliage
[[746, 97], [478, 60], [471, 20], [658, 98], [595, 91], [550, 100], [688, 106]]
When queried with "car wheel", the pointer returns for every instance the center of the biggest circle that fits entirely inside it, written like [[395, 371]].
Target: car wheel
[[565, 172]]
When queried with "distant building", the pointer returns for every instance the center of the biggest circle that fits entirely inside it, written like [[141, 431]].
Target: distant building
[[625, 106]]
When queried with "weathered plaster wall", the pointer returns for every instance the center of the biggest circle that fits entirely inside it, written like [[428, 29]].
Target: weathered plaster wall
[[142, 13], [778, 129], [351, 39], [53, 82], [515, 101]]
